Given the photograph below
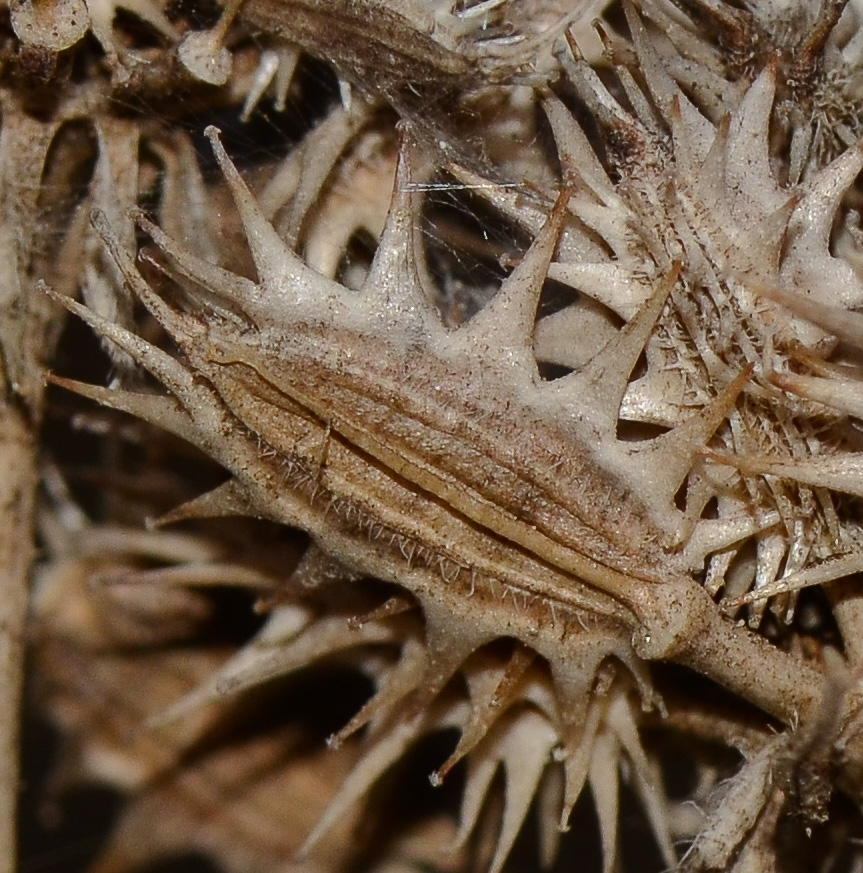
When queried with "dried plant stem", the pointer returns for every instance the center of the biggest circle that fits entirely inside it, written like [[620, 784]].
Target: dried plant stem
[[680, 623], [17, 499]]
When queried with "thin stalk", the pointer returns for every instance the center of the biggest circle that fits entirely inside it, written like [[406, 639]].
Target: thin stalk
[[18, 479]]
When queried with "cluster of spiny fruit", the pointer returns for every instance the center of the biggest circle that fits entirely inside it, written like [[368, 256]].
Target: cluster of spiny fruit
[[476, 383]]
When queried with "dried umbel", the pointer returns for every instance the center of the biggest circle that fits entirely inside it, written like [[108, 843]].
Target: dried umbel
[[560, 500]]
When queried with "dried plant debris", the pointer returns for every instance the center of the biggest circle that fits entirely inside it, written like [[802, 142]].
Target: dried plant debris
[[477, 388]]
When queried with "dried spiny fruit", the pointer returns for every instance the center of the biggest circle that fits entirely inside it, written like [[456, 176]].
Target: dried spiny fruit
[[816, 47], [550, 541]]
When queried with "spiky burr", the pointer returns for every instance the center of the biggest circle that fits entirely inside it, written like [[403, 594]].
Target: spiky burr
[[637, 451]]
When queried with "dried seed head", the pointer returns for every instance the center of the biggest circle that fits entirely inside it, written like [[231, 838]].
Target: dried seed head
[[547, 536]]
